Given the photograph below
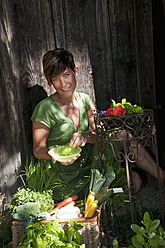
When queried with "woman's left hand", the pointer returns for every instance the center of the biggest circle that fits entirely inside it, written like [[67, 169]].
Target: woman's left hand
[[70, 161], [78, 139]]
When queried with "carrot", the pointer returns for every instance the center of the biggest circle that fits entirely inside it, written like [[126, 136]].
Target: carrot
[[73, 203], [64, 203]]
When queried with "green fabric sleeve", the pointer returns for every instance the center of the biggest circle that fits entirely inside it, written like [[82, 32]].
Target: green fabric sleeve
[[41, 114], [87, 100]]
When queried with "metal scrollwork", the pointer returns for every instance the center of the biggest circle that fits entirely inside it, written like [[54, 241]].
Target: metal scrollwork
[[132, 131], [135, 130]]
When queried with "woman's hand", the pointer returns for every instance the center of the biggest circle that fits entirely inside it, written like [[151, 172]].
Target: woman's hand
[[71, 161], [78, 139]]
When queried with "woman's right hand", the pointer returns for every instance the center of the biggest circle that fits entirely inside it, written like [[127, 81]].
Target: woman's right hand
[[78, 139]]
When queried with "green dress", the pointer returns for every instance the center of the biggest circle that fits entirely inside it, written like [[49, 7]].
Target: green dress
[[74, 178]]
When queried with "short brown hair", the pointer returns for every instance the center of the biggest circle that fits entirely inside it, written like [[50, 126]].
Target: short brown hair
[[56, 61]]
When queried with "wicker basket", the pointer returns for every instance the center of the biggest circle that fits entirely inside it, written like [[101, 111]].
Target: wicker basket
[[90, 232]]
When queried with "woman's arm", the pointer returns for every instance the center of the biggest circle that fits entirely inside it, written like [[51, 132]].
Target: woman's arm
[[40, 135], [80, 139]]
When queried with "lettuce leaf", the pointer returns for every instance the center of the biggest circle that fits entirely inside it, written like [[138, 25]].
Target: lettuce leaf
[[58, 153]]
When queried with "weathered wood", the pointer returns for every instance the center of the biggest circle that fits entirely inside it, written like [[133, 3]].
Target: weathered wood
[[144, 53], [21, 52], [69, 33], [112, 45], [123, 49]]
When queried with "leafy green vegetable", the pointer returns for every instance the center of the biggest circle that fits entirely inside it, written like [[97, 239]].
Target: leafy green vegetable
[[67, 150], [36, 174], [40, 179], [51, 235], [119, 171], [23, 196], [64, 153], [26, 211], [100, 182], [130, 109], [97, 181], [109, 175]]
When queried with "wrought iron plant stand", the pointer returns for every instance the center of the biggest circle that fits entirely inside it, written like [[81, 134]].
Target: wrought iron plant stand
[[132, 131]]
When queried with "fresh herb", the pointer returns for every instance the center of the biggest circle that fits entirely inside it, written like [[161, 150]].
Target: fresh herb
[[149, 235], [122, 108], [51, 235], [37, 175], [23, 196]]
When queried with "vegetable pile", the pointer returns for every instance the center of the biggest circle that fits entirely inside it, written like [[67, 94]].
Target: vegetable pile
[[51, 235], [32, 207], [71, 200], [64, 153], [99, 190], [28, 204], [121, 109]]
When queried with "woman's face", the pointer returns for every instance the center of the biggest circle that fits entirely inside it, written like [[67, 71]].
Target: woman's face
[[65, 83]]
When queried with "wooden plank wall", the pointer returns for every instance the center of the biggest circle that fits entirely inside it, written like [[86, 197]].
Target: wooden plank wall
[[112, 44]]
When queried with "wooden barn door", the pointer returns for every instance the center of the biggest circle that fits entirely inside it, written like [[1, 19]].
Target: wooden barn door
[[111, 41]]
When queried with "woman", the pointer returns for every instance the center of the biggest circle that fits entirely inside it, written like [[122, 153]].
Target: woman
[[65, 117]]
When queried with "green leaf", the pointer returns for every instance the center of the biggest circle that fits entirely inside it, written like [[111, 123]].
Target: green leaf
[[161, 231], [39, 241], [146, 218], [154, 225], [135, 228], [82, 246], [115, 243], [154, 241], [113, 103], [142, 230], [162, 242], [140, 238], [78, 238], [110, 176], [79, 225], [151, 235], [147, 224], [66, 151], [136, 243], [123, 101], [71, 222], [70, 233]]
